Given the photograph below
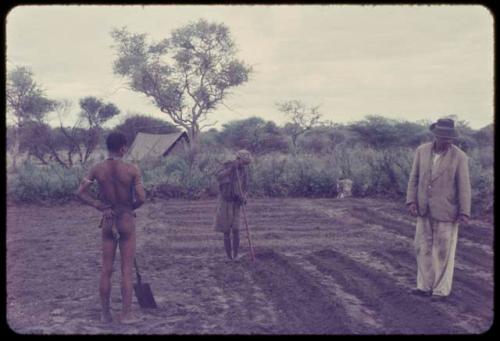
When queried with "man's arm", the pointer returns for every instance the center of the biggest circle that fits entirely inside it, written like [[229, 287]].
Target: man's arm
[[464, 188], [140, 193], [411, 192], [84, 195], [223, 175], [240, 186]]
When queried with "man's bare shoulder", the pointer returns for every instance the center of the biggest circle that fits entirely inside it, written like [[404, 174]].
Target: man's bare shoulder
[[131, 166], [97, 167], [100, 170]]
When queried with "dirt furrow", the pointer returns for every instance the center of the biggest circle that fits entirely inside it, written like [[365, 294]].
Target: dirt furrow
[[303, 305], [400, 312], [468, 288], [468, 251], [249, 312], [324, 266], [364, 319]]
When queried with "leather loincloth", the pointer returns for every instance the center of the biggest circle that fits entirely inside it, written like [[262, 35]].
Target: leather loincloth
[[106, 222]]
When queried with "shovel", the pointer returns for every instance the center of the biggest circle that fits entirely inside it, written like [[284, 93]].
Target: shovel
[[143, 291], [252, 253]]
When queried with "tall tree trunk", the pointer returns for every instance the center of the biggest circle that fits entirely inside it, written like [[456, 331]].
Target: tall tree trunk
[[193, 136], [57, 158], [40, 158], [80, 154], [15, 151], [17, 145], [294, 143], [70, 158]]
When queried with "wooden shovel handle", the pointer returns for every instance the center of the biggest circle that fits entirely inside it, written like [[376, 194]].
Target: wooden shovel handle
[[137, 271]]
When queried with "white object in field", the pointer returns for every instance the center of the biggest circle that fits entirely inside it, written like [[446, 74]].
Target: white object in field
[[344, 188]]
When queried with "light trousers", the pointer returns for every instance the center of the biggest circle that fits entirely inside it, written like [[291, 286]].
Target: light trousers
[[435, 245]]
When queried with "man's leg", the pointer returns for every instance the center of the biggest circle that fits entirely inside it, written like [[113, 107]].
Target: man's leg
[[126, 227], [423, 250], [235, 227], [236, 242], [108, 257], [444, 247], [227, 244]]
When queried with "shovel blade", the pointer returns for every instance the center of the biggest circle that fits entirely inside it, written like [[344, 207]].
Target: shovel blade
[[144, 295]]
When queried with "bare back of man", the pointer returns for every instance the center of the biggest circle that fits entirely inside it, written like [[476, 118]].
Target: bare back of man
[[120, 192]]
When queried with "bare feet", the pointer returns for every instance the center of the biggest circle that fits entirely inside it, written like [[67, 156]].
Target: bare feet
[[106, 317], [127, 318]]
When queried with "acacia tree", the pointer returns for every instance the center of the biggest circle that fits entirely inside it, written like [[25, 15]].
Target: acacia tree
[[84, 136], [254, 134], [41, 141], [381, 132], [26, 102], [185, 75], [69, 141], [301, 118], [95, 113], [322, 139]]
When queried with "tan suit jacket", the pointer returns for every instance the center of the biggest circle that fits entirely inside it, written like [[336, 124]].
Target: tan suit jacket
[[446, 192]]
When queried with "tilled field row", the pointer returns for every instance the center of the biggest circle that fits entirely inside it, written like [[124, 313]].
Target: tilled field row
[[323, 266]]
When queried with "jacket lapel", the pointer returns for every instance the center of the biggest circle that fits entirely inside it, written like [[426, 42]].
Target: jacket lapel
[[444, 163], [427, 160]]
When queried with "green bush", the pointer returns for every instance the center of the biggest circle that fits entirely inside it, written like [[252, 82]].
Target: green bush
[[36, 183], [182, 176], [482, 188], [153, 174], [311, 176], [267, 175], [484, 155], [280, 175], [375, 172]]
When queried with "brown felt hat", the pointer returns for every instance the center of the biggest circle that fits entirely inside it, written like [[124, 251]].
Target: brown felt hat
[[444, 127]]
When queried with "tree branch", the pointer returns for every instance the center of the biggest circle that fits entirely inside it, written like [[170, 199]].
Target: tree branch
[[208, 125]]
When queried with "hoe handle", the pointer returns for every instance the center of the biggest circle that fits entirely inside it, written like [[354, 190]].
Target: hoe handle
[[245, 218]]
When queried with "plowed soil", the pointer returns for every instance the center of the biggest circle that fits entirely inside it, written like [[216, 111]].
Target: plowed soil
[[323, 266]]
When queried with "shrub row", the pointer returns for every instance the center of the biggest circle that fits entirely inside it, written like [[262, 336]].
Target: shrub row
[[374, 173]]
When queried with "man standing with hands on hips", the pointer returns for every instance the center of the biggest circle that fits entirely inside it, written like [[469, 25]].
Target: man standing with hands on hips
[[439, 195], [121, 192]]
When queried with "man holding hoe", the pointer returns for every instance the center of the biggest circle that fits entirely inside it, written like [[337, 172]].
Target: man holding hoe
[[121, 192], [233, 186]]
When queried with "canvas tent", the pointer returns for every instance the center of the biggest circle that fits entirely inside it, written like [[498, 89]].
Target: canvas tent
[[155, 145]]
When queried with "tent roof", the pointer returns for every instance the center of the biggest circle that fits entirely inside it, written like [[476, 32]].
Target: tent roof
[[153, 145]]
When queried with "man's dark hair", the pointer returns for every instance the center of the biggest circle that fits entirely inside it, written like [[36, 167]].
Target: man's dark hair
[[115, 141]]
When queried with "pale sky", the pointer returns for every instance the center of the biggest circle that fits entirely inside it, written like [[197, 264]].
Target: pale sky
[[402, 62]]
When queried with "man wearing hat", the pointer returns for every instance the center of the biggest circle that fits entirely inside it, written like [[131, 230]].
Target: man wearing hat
[[439, 195], [233, 186]]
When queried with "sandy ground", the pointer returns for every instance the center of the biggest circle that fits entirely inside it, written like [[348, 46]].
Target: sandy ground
[[324, 266]]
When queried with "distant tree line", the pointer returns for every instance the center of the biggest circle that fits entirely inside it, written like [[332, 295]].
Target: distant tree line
[[375, 152], [187, 75], [305, 132]]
